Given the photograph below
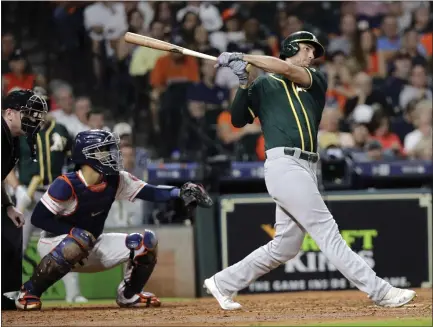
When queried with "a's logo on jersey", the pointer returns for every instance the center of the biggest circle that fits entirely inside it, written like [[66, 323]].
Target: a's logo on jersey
[[59, 142], [300, 89], [313, 70]]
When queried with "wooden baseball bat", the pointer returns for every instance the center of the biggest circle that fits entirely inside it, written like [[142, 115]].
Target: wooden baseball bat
[[150, 42]]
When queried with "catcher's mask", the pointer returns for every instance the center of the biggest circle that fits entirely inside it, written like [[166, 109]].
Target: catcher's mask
[[98, 149], [290, 46]]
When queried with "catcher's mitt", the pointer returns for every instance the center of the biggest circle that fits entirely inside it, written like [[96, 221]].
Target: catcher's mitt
[[195, 195]]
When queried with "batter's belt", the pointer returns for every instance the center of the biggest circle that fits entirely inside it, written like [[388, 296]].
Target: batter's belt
[[294, 152]]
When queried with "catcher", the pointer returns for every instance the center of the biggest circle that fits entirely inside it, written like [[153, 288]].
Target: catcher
[[72, 215]]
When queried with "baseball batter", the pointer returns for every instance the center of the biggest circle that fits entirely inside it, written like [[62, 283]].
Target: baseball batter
[[72, 214], [289, 103]]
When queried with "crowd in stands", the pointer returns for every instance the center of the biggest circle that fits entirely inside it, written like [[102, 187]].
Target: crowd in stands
[[378, 65]]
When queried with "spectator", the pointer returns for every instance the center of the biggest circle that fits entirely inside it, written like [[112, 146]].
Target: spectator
[[209, 14], [423, 150], [403, 125], [329, 134], [365, 94], [82, 108], [124, 213], [96, 120], [8, 48], [423, 124], [396, 9], [294, 24], [395, 82], [417, 89], [374, 152], [186, 32], [372, 11], [142, 155], [105, 22], [201, 40], [344, 42], [65, 115], [360, 136], [389, 42], [163, 14], [365, 54], [381, 132], [205, 101], [339, 82], [144, 59], [232, 136], [412, 46], [255, 39], [147, 8], [231, 31], [173, 68], [18, 78], [422, 23]]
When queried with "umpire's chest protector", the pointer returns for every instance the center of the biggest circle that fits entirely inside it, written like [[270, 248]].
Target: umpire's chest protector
[[93, 203]]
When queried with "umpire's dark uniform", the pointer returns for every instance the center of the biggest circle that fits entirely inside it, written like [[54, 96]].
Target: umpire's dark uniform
[[12, 237]]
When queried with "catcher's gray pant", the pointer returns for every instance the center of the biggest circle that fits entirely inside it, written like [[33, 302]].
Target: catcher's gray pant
[[70, 280], [292, 183]]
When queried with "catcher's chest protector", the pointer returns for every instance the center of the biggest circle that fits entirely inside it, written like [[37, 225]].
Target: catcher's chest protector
[[92, 205]]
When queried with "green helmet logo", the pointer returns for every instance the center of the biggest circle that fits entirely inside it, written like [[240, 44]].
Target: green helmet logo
[[290, 46]]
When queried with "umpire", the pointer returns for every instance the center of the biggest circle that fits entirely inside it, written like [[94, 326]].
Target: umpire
[[22, 114]]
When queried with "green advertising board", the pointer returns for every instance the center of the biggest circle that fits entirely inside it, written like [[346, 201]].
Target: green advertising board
[[101, 285]]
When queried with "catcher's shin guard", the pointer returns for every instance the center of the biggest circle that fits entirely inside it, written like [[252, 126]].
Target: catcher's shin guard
[[54, 266], [142, 261]]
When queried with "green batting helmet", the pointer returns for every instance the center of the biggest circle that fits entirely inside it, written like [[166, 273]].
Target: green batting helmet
[[290, 46]]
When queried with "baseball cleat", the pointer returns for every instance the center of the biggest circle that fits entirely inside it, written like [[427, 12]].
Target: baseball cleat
[[396, 297], [26, 301], [225, 302], [142, 299]]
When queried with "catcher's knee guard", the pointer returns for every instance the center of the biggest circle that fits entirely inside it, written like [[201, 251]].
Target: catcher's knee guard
[[142, 260], [71, 250]]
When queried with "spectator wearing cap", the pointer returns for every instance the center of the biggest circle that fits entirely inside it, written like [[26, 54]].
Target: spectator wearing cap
[[423, 124], [400, 71], [8, 48], [230, 32], [366, 94], [329, 134], [411, 44], [209, 14], [18, 78], [418, 88], [344, 42]]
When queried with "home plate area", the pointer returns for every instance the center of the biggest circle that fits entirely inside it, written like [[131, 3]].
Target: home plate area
[[295, 308]]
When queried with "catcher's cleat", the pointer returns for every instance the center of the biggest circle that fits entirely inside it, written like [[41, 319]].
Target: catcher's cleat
[[27, 301], [142, 299]]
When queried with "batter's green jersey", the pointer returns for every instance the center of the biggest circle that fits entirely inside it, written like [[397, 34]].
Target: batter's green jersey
[[290, 115], [53, 145]]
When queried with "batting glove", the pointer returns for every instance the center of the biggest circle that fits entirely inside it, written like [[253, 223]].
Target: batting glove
[[226, 57], [239, 68]]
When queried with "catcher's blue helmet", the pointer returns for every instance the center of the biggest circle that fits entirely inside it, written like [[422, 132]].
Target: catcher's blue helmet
[[98, 149]]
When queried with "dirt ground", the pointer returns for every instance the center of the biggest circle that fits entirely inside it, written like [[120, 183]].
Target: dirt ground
[[271, 309]]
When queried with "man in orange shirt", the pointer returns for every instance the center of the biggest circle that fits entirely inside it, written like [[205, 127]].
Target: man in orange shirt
[[18, 78], [170, 79]]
